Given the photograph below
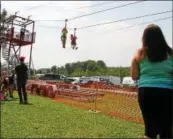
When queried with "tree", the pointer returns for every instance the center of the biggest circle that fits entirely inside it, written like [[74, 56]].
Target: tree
[[62, 70], [3, 16], [53, 69], [3, 28], [91, 68], [68, 67], [48, 71], [101, 64], [92, 65]]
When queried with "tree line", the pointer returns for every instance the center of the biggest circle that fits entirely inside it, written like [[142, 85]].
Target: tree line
[[87, 68]]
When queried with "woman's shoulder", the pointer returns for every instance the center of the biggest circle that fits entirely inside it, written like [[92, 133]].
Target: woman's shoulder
[[140, 55]]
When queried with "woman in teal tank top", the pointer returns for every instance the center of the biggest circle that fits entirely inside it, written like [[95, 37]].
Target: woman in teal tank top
[[152, 66]]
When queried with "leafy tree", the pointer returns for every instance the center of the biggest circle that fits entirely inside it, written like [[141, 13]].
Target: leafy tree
[[91, 68], [3, 16], [32, 72], [68, 67], [53, 69], [101, 64]]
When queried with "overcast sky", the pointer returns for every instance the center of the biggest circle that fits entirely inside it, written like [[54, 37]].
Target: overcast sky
[[104, 42]]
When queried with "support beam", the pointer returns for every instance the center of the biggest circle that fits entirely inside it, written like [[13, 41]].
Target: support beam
[[30, 59]]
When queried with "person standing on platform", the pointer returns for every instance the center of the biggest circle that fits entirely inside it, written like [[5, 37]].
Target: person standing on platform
[[22, 34], [22, 77]]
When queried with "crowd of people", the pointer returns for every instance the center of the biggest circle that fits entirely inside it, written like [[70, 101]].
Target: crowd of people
[[15, 81]]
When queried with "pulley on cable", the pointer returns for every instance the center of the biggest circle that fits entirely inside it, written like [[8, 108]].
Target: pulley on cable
[[64, 34], [73, 40]]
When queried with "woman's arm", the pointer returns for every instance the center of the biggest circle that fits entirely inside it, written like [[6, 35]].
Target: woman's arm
[[134, 69], [138, 57]]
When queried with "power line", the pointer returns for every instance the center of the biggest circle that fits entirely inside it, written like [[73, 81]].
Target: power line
[[125, 19], [40, 5], [94, 5], [89, 6], [34, 7], [120, 6], [68, 9]]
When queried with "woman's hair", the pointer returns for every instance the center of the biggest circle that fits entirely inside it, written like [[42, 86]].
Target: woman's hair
[[156, 46]]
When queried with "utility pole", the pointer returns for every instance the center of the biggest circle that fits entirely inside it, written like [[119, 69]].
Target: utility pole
[[0, 52], [2, 39]]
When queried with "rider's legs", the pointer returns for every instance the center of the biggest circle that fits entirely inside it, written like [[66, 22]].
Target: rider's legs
[[63, 39]]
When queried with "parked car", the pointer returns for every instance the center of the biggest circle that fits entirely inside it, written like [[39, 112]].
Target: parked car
[[51, 77], [127, 81]]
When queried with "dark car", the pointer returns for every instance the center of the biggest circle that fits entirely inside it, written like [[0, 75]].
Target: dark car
[[51, 77]]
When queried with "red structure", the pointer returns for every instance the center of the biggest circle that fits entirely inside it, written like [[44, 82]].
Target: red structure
[[20, 33]]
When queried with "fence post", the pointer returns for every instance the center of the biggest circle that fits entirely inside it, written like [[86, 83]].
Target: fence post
[[96, 97]]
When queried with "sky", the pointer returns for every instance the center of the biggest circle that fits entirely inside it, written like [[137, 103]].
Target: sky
[[115, 47]]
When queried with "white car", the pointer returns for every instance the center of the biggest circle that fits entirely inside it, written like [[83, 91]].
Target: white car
[[75, 82], [127, 81]]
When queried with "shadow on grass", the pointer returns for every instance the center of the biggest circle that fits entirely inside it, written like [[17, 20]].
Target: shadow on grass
[[27, 104], [14, 100]]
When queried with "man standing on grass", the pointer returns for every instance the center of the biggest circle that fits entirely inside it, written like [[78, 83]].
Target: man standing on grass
[[22, 77]]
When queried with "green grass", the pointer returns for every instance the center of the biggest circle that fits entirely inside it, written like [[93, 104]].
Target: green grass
[[49, 119]]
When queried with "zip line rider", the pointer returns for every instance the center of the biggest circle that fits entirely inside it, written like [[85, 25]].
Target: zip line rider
[[64, 35], [73, 42]]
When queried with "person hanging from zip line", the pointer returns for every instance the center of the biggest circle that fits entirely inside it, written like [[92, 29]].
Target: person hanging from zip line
[[64, 36], [73, 42]]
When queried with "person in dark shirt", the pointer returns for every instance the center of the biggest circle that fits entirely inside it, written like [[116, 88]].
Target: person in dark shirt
[[22, 77], [11, 83], [22, 34]]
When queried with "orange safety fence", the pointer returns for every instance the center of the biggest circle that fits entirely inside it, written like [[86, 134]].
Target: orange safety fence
[[115, 101]]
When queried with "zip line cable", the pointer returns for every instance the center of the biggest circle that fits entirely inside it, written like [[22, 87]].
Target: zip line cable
[[120, 6], [103, 11], [54, 27], [143, 23], [160, 19], [125, 19]]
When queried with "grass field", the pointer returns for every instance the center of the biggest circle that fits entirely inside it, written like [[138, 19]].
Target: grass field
[[49, 119]]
